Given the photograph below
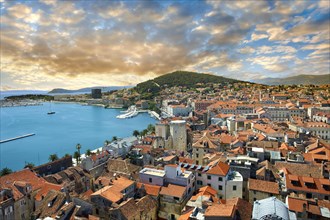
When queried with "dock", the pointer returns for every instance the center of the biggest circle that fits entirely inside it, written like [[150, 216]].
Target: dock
[[18, 137]]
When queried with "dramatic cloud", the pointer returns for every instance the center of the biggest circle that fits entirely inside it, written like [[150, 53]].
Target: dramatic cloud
[[73, 44]]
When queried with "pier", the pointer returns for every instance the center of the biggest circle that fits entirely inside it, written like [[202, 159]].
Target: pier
[[18, 137]]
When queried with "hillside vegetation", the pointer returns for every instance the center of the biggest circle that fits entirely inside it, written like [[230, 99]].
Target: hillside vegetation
[[180, 78]]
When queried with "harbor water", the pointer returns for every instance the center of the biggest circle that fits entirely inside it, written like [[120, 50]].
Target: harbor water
[[60, 132]]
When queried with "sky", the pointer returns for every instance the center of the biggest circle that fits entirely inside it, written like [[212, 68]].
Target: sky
[[48, 44]]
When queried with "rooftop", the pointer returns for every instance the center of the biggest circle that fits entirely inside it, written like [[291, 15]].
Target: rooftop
[[153, 172]]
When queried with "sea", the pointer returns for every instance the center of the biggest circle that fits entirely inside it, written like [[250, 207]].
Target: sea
[[59, 133]]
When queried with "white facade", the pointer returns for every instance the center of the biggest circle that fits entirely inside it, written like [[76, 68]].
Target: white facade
[[179, 134], [228, 186], [120, 147], [171, 175], [178, 110]]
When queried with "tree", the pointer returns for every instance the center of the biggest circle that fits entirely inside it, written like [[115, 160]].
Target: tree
[[144, 132], [76, 156], [106, 143], [67, 155], [29, 165], [114, 138], [53, 157], [151, 128], [78, 147], [136, 133], [88, 152], [5, 171]]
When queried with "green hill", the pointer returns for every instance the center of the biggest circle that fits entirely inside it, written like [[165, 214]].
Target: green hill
[[180, 78]]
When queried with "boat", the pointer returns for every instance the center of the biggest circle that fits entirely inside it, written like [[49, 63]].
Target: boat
[[50, 110]]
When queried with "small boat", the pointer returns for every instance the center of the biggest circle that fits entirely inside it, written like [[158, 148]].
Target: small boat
[[50, 109]]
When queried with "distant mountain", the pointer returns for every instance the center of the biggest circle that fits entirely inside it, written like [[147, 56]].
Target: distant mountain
[[180, 78], [88, 90], [296, 80]]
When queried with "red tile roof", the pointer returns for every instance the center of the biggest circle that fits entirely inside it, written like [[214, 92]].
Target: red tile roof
[[306, 185], [173, 190], [220, 169], [29, 177], [263, 186], [152, 190], [220, 210]]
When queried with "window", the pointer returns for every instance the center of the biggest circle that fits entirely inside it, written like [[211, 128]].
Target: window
[[150, 180], [176, 198], [308, 195], [208, 177], [254, 199], [234, 188], [197, 155], [220, 187], [199, 182], [220, 179], [199, 174], [209, 184]]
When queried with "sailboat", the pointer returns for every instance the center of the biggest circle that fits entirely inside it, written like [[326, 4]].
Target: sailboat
[[50, 109]]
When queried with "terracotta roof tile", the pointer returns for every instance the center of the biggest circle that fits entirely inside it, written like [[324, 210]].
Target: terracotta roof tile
[[173, 190], [220, 169], [220, 210], [152, 190], [263, 186]]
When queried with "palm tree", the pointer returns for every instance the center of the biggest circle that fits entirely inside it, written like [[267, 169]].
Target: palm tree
[[88, 152], [136, 133], [29, 165], [53, 157], [144, 132], [5, 171], [114, 138], [76, 156], [78, 146], [151, 128], [106, 143]]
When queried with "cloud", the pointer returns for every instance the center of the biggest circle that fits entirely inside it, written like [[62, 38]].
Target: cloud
[[19, 11], [247, 50], [126, 42]]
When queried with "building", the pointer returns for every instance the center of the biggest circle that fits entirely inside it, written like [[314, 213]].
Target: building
[[96, 93], [171, 175], [204, 145], [219, 176], [260, 189], [178, 133], [25, 190], [172, 200], [178, 110], [271, 208], [54, 166], [119, 189]]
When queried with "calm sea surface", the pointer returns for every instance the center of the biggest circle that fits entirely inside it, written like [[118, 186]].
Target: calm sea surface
[[59, 133]]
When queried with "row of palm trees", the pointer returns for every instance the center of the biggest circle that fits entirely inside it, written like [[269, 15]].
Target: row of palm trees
[[150, 129]]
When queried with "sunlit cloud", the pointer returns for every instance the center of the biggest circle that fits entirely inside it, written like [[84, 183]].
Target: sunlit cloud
[[72, 44]]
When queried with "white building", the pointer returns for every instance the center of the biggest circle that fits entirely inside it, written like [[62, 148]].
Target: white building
[[219, 176], [121, 147], [178, 110], [171, 175]]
